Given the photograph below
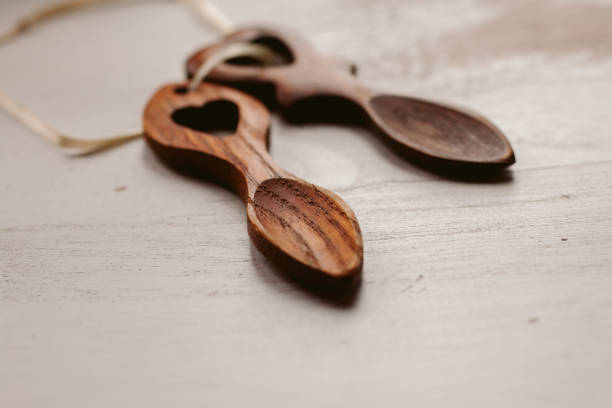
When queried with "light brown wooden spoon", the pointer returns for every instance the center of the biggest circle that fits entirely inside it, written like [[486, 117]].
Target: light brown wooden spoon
[[308, 230], [426, 130]]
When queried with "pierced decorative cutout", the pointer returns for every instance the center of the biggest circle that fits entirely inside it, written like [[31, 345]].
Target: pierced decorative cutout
[[219, 118]]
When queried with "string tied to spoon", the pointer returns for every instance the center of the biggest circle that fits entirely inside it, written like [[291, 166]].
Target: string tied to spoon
[[82, 146]]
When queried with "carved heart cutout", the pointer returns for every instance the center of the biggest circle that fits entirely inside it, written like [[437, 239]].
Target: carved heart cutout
[[219, 118]]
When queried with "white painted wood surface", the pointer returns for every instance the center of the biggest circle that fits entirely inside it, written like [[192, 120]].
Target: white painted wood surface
[[474, 294]]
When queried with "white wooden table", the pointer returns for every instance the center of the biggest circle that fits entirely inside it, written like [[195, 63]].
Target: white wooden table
[[125, 284]]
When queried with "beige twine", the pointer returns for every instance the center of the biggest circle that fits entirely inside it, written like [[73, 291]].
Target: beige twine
[[77, 146]]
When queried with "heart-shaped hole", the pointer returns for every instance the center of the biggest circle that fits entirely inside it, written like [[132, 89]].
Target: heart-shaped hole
[[283, 54], [219, 118]]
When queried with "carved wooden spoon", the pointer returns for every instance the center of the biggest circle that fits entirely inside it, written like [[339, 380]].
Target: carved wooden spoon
[[425, 130], [310, 231]]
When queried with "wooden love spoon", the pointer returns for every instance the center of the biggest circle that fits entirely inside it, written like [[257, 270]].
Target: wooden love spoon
[[431, 132], [310, 231]]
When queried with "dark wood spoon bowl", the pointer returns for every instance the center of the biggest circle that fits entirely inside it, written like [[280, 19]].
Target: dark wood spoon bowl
[[429, 131]]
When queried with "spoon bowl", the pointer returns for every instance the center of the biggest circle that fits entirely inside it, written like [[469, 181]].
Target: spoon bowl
[[438, 131], [308, 226]]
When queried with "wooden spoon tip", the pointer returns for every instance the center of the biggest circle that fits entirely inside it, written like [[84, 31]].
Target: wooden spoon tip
[[309, 229]]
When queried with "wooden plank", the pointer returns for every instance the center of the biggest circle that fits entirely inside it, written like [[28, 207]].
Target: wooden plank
[[122, 282]]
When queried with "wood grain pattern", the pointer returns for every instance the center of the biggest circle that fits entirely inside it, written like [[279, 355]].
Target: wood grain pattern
[[309, 231], [304, 81], [473, 294]]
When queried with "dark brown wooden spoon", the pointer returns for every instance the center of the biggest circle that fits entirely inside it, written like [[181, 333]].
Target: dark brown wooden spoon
[[428, 131], [310, 231]]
